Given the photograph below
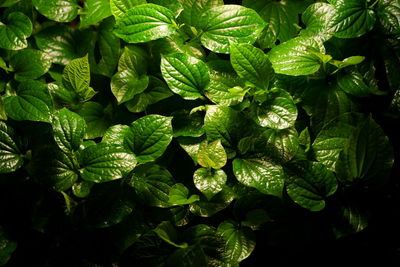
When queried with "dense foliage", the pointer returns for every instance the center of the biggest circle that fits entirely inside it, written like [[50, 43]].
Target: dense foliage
[[194, 132]]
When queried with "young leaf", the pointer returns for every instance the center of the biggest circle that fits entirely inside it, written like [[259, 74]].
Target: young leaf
[[17, 27], [82, 189], [278, 112], [353, 18], [240, 241], [295, 57], [69, 130], [76, 78], [212, 155], [260, 173], [152, 185], [185, 75], [11, 158], [281, 18], [57, 10], [209, 182], [149, 137], [145, 23], [251, 64], [30, 64], [120, 7], [126, 84], [31, 102], [94, 11], [178, 195], [309, 184], [229, 23], [105, 162]]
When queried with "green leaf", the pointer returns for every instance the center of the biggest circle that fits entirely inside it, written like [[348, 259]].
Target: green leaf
[[227, 125], [229, 23], [349, 219], [260, 173], [168, 233], [240, 241], [353, 18], [120, 7], [126, 84], [145, 23], [115, 134], [192, 145], [57, 10], [251, 64], [82, 189], [69, 130], [224, 89], [15, 29], [134, 59], [318, 19], [188, 123], [97, 120], [62, 170], [185, 75], [155, 92], [149, 137], [353, 83], [281, 18], [8, 246], [295, 57], [30, 64], [281, 145], [11, 157], [333, 137], [94, 11], [354, 60], [212, 155], [178, 195], [309, 183], [388, 12], [278, 112], [31, 102], [208, 208], [105, 162], [152, 184], [76, 78], [59, 43], [192, 9], [367, 154], [209, 182]]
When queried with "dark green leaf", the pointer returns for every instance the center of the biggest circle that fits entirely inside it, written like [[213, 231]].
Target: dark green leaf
[[229, 23], [187, 123], [30, 64], [168, 233], [309, 183], [260, 173], [14, 31], [224, 89], [240, 242], [150, 137], [145, 23], [57, 10], [134, 59], [126, 84], [219, 202], [82, 189], [105, 162], [7, 247], [152, 185], [62, 170], [281, 18], [209, 182], [69, 129], [281, 145], [11, 158], [31, 102], [94, 11], [186, 76], [388, 12], [353, 18], [97, 120], [251, 64]]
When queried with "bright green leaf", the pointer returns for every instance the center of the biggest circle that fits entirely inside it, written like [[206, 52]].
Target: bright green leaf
[[192, 9], [126, 84], [178, 195], [209, 182], [120, 7], [94, 11], [212, 155], [57, 10]]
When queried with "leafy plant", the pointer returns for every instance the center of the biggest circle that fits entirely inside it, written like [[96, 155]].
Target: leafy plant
[[192, 133]]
